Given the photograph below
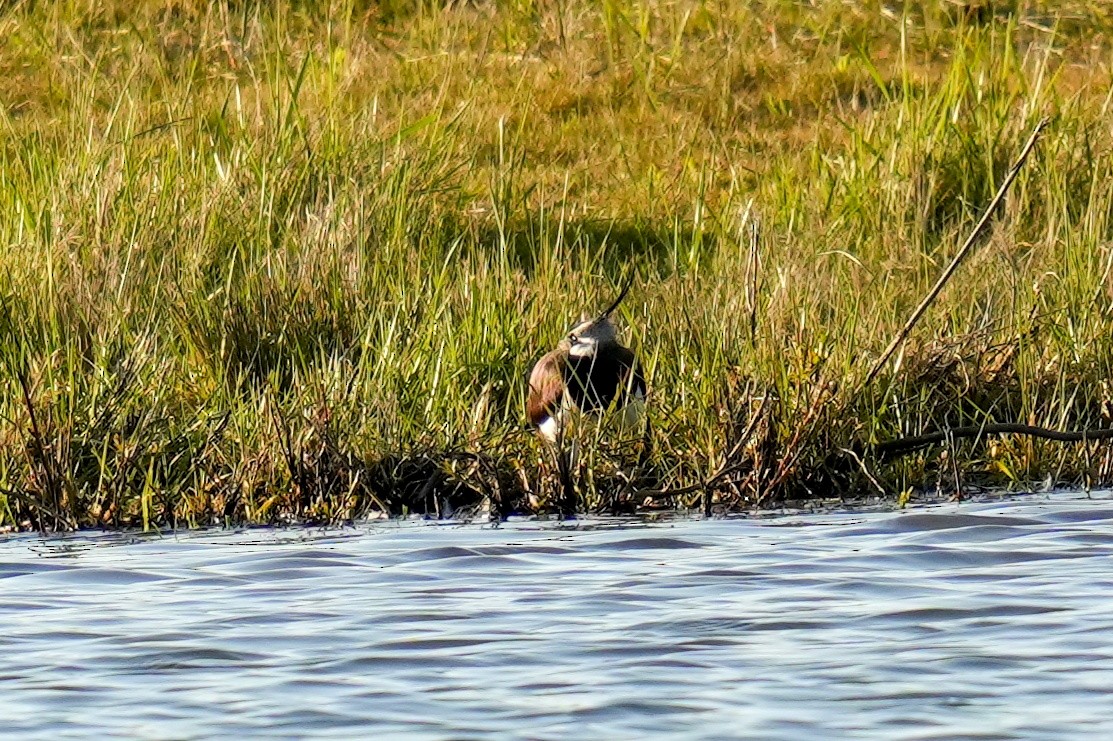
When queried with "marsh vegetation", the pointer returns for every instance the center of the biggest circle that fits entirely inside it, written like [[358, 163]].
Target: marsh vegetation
[[269, 262]]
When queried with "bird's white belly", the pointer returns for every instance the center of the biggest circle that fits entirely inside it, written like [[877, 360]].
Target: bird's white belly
[[550, 428]]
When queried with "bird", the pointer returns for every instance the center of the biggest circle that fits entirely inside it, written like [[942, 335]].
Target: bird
[[589, 372]]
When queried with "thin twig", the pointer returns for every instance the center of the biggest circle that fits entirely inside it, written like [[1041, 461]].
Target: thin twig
[[715, 480], [862, 464], [667, 493], [38, 448], [905, 445], [952, 450], [754, 267], [958, 258]]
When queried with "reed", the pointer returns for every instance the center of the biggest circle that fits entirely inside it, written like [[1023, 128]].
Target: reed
[[280, 262]]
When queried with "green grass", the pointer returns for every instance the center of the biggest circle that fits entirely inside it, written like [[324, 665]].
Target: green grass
[[265, 264]]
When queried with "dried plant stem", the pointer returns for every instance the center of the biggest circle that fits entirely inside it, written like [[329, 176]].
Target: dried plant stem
[[904, 445], [967, 246]]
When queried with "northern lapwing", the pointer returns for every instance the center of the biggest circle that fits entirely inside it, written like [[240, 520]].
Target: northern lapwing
[[590, 371]]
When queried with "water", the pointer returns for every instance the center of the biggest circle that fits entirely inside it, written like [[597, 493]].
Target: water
[[987, 620]]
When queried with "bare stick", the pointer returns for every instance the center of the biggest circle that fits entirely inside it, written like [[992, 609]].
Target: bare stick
[[904, 445], [872, 479], [754, 267], [962, 253]]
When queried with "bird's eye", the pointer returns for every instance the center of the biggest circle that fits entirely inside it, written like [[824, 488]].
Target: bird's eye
[[573, 338]]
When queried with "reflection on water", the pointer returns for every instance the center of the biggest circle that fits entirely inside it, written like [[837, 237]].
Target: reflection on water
[[988, 620]]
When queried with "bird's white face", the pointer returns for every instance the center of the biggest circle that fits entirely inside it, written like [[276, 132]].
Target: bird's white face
[[587, 336]]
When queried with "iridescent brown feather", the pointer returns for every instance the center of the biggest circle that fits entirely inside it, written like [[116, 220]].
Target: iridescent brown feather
[[546, 386]]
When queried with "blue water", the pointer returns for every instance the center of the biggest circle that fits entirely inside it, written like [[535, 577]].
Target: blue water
[[979, 620]]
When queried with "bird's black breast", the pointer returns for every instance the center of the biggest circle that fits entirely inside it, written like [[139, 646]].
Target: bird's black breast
[[594, 382]]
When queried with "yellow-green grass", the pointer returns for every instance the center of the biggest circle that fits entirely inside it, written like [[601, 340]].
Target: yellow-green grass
[[267, 262]]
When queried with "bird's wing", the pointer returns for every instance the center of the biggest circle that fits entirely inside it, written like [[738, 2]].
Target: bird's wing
[[546, 387], [590, 382], [632, 384], [597, 381]]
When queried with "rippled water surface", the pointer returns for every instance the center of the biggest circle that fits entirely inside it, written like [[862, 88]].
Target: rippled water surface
[[978, 620]]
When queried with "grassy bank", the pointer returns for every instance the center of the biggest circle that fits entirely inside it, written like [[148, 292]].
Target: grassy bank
[[260, 264]]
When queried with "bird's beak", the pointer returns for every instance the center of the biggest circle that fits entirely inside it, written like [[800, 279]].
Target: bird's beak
[[610, 309]]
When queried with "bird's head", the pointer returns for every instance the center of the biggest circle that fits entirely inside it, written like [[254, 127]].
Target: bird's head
[[594, 332]]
